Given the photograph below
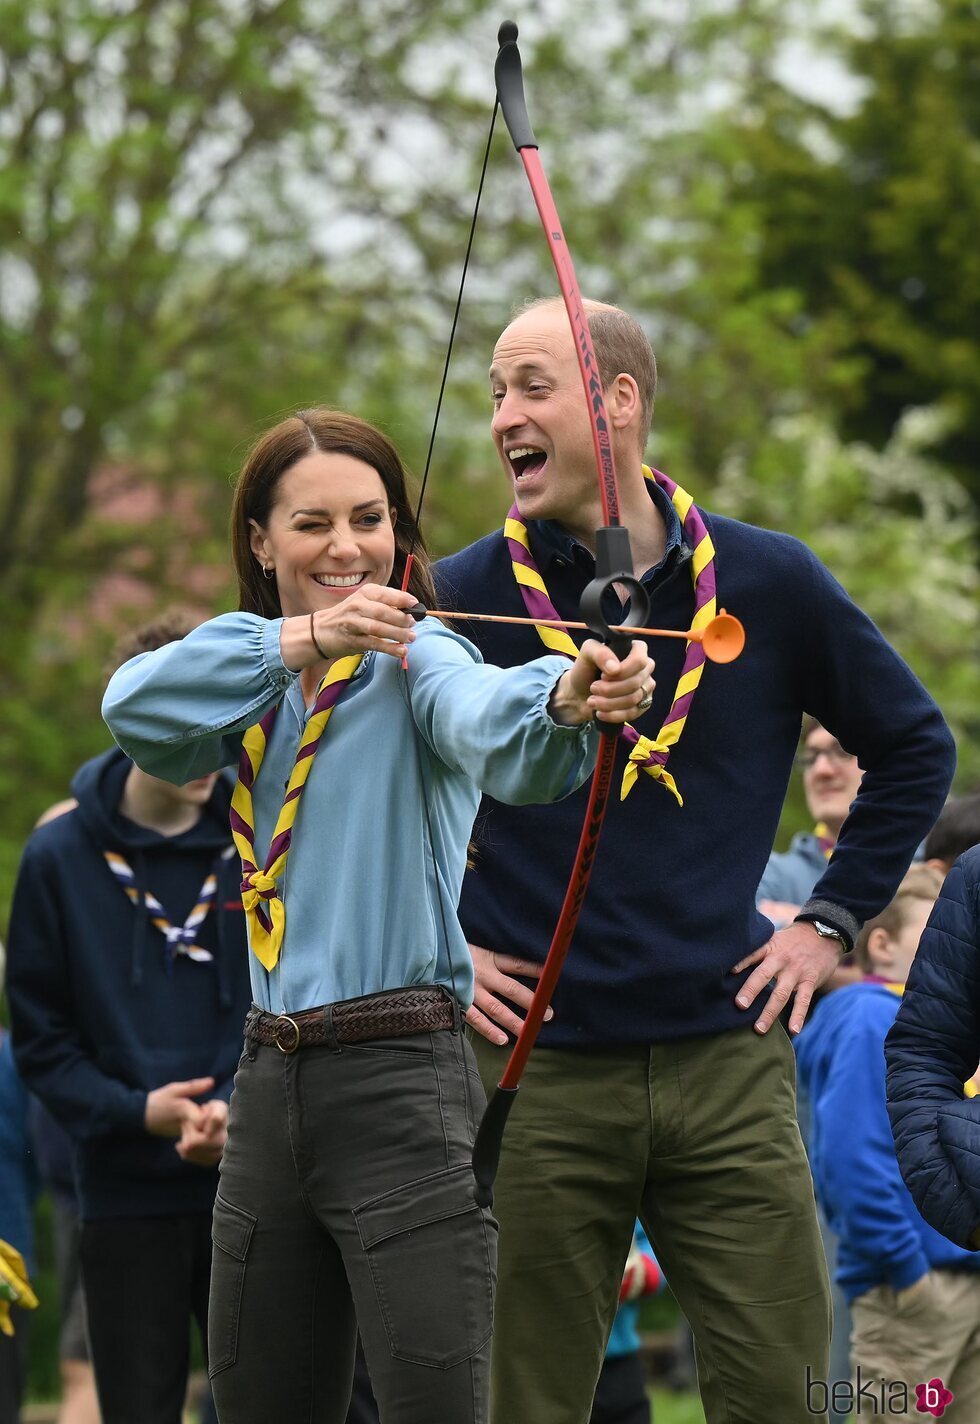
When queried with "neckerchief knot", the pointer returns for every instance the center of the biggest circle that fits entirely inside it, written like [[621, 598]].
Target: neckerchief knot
[[649, 754], [259, 886]]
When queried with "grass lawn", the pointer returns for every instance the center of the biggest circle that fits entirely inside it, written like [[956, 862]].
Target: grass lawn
[[670, 1408]]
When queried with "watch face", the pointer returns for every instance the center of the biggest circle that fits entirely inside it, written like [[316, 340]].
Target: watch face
[[826, 931]]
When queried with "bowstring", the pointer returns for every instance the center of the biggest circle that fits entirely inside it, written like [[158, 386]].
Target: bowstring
[[417, 526], [416, 535]]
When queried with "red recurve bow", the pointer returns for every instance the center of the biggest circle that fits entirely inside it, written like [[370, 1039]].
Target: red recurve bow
[[614, 565]]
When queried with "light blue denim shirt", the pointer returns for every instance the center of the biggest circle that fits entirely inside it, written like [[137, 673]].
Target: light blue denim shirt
[[369, 904]]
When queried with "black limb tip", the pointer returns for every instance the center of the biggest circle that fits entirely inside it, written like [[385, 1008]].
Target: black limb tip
[[509, 79], [486, 1148], [418, 611]]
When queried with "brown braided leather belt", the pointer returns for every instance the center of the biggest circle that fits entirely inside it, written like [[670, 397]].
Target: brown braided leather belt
[[391, 1014]]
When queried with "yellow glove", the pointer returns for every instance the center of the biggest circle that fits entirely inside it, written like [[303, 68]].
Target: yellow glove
[[15, 1288]]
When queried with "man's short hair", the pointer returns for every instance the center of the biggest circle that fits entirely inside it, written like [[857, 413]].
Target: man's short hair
[[621, 346], [957, 829], [921, 882]]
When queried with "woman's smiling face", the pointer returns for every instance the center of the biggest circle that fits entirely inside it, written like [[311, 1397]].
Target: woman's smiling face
[[330, 530]]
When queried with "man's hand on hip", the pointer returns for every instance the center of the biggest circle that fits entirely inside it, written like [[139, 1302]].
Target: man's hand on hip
[[800, 961], [488, 1013]]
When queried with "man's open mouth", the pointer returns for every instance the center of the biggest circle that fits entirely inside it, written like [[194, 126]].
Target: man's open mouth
[[526, 460]]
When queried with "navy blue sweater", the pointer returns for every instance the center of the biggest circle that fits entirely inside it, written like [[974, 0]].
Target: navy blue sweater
[[671, 906], [932, 1049], [99, 1015]]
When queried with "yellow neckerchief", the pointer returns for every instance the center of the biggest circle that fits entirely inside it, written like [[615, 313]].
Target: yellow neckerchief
[[264, 908], [649, 753]]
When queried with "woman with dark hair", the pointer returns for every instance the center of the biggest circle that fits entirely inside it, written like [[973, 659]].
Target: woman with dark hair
[[363, 742]]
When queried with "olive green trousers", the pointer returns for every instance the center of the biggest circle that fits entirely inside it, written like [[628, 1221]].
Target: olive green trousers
[[699, 1138]]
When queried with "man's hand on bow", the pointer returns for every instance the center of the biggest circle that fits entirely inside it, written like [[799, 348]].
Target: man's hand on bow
[[622, 690], [203, 1142], [800, 961], [488, 1013]]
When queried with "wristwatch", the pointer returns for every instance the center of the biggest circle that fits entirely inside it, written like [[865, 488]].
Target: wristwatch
[[826, 931]]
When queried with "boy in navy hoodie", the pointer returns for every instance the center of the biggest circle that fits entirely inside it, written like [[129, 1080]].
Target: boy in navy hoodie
[[128, 988], [914, 1297]]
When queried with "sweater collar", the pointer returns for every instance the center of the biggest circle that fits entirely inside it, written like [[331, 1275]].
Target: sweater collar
[[558, 546]]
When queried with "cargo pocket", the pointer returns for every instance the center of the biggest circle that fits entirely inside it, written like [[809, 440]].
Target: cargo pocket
[[432, 1253], [231, 1233]]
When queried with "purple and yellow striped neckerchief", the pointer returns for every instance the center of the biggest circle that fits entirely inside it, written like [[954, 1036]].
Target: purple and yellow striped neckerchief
[[649, 753], [264, 909], [180, 939], [825, 840]]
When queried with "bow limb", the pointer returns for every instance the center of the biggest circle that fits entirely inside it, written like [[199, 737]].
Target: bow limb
[[614, 565]]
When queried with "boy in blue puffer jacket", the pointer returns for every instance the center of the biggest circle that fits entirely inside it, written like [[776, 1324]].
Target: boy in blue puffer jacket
[[914, 1297]]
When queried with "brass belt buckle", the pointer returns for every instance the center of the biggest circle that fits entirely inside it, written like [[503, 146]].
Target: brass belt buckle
[[281, 1022]]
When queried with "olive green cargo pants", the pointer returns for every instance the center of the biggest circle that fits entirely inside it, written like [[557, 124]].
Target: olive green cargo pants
[[700, 1139]]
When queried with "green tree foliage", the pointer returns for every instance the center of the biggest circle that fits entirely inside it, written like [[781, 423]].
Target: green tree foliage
[[870, 218], [185, 188], [897, 530]]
